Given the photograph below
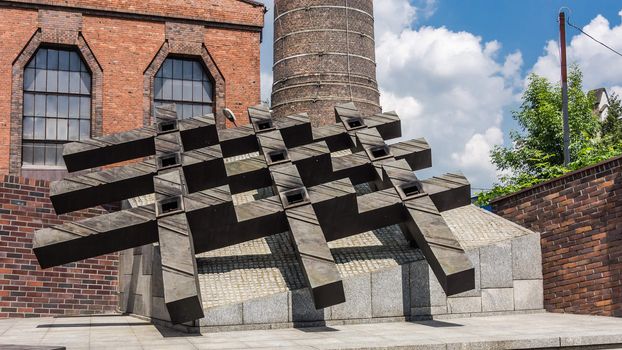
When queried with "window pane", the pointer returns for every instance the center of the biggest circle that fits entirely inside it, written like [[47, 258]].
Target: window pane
[[74, 82], [187, 90], [50, 154], [29, 104], [74, 62], [187, 70], [207, 109], [157, 88], [85, 129], [39, 154], [74, 107], [197, 91], [63, 60], [197, 110], [207, 91], [85, 80], [63, 81], [29, 79], [52, 59], [63, 106], [59, 155], [52, 83], [41, 58], [83, 67], [28, 128], [187, 111], [167, 89], [197, 71], [179, 109], [74, 130], [40, 84], [39, 105], [50, 107], [177, 90], [27, 153], [39, 128], [50, 129], [85, 107], [177, 69], [61, 127], [167, 69]]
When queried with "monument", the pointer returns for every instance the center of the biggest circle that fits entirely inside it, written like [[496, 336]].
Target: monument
[[314, 197]]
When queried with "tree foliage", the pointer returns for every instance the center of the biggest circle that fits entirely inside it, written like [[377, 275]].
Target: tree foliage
[[536, 154]]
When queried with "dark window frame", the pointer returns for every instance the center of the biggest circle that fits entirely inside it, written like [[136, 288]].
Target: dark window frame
[[82, 122]]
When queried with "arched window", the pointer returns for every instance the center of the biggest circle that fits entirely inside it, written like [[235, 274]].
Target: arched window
[[185, 83], [57, 105]]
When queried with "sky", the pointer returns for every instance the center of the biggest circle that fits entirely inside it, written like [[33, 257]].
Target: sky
[[455, 70]]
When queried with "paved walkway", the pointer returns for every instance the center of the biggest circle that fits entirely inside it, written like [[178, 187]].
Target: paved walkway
[[496, 332]]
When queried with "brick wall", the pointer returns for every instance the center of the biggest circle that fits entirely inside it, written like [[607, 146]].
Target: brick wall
[[120, 48], [580, 219], [86, 287]]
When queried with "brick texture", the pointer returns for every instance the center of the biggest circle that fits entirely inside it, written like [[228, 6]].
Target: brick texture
[[123, 47], [86, 287], [579, 217]]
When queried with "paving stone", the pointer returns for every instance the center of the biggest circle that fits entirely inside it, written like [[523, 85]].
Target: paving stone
[[496, 265], [497, 299], [528, 295], [464, 305], [424, 287], [302, 308], [358, 298], [223, 315], [527, 257], [270, 309], [389, 297]]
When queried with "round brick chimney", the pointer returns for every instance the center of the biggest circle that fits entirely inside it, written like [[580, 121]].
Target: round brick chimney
[[323, 55]]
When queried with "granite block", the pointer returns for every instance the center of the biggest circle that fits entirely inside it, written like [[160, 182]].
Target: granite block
[[528, 295], [302, 308], [464, 305], [223, 315], [473, 255], [497, 299], [270, 309], [527, 257], [496, 265], [390, 292], [425, 290], [358, 298]]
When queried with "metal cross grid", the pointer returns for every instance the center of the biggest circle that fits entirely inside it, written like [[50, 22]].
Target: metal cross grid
[[182, 162]]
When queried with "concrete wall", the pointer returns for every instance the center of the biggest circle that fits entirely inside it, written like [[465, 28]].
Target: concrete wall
[[580, 218]]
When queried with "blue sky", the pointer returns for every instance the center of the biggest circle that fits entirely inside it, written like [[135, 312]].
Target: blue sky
[[455, 69]]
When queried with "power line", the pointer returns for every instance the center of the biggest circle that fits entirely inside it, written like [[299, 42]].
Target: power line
[[591, 37]]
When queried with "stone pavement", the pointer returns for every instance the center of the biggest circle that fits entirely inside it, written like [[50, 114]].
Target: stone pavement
[[541, 330]]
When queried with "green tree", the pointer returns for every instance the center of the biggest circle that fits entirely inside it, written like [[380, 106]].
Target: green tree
[[536, 153]]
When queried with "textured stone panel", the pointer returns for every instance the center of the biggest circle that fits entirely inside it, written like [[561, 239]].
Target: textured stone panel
[[223, 316], [464, 305], [270, 309], [358, 299], [302, 308], [497, 299], [527, 257], [390, 292], [528, 295], [425, 289], [496, 265]]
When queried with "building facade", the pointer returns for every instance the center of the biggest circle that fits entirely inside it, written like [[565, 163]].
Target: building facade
[[76, 69]]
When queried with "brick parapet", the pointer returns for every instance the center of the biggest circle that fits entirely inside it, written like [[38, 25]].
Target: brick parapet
[[579, 216]]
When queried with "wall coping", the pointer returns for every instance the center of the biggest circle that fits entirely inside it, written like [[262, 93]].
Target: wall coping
[[586, 170]]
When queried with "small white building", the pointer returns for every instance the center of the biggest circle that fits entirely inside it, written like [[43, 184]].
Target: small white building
[[601, 104]]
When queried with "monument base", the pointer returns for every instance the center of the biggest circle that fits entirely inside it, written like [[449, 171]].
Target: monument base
[[258, 284]]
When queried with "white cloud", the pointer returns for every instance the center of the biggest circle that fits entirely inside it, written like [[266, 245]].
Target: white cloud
[[601, 67], [392, 16], [450, 88]]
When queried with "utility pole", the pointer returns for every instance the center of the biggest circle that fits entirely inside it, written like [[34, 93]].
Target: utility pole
[[562, 41]]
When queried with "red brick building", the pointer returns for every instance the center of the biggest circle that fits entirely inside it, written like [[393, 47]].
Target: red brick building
[[75, 69], [579, 216]]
